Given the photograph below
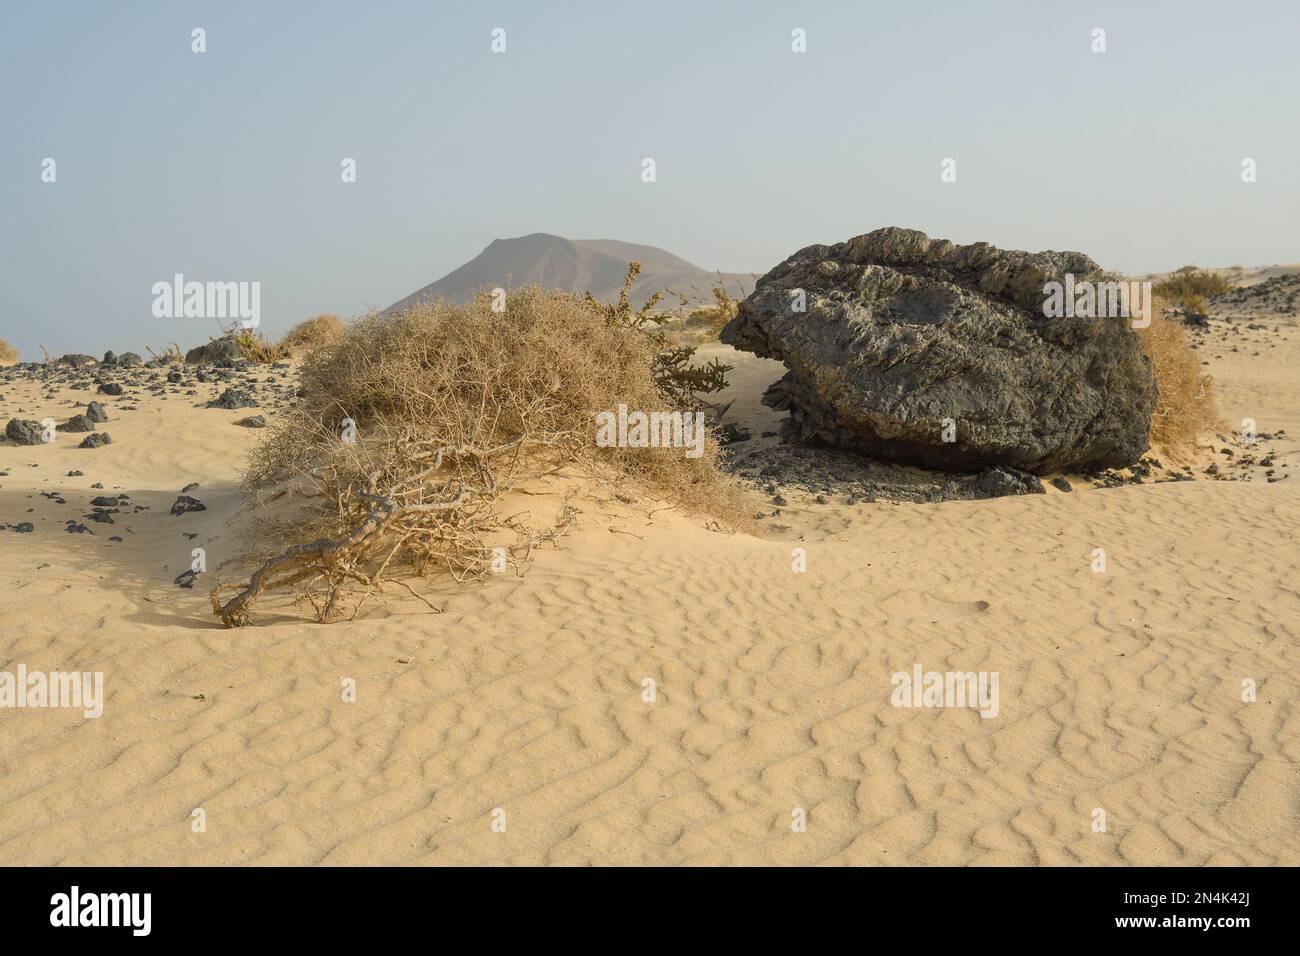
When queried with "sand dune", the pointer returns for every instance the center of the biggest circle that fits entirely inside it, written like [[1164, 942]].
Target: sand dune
[[1120, 691]]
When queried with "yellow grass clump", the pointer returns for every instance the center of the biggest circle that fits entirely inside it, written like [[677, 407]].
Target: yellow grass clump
[[172, 354], [1186, 407], [1190, 286], [258, 348], [702, 324], [413, 426], [324, 329], [8, 354]]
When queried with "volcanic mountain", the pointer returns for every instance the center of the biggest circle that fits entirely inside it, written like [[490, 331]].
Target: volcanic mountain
[[597, 266]]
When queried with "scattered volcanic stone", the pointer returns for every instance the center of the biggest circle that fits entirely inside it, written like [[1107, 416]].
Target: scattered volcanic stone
[[110, 388], [95, 440], [185, 503], [186, 578], [103, 501], [999, 482], [1063, 484], [23, 431], [24, 527], [253, 421], [175, 376], [96, 412], [77, 360], [902, 336], [233, 398], [77, 423]]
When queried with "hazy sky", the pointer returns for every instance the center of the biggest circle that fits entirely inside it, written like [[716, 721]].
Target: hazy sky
[[226, 165]]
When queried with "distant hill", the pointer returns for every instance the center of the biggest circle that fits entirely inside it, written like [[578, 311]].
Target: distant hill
[[597, 266]]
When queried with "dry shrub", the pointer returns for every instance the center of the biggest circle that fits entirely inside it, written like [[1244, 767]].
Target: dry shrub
[[258, 348], [172, 354], [1190, 285], [324, 329], [1186, 407], [703, 324], [455, 405], [8, 354]]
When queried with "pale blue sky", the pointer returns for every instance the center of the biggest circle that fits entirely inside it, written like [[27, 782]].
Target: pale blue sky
[[225, 165]]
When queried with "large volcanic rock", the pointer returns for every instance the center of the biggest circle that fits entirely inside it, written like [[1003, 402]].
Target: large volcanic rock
[[901, 332], [224, 352]]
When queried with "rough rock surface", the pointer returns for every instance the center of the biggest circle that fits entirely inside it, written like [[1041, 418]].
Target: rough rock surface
[[77, 423], [224, 352], [23, 431], [902, 332], [233, 398]]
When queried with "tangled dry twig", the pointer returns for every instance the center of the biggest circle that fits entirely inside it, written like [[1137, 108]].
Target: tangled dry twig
[[413, 425], [416, 506]]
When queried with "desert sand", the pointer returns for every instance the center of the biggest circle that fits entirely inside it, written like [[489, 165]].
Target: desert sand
[[1119, 690]]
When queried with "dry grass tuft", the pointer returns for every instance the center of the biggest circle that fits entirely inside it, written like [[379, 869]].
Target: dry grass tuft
[[1186, 407], [258, 348], [172, 354], [454, 406], [324, 329], [1190, 286], [703, 324], [8, 354]]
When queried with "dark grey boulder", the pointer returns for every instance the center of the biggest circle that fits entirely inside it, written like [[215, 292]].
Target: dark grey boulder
[[233, 398], [999, 482], [110, 388], [96, 412], [185, 503], [903, 336], [252, 421], [224, 351], [77, 423], [23, 431], [95, 440], [125, 360]]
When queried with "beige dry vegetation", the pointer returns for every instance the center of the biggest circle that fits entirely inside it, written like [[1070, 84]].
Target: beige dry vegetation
[[258, 348], [1186, 408], [324, 329], [702, 324], [172, 354], [455, 406], [1190, 287], [8, 354]]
